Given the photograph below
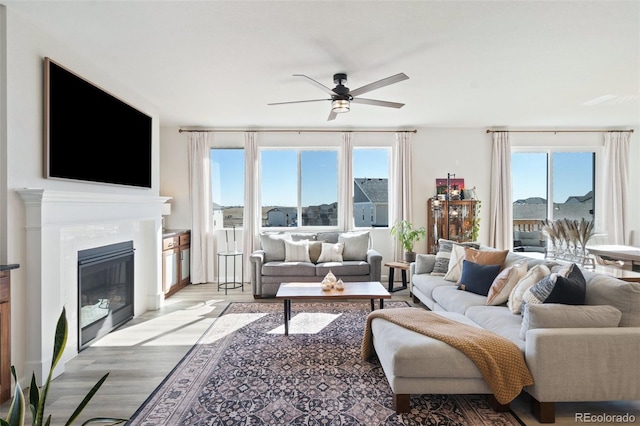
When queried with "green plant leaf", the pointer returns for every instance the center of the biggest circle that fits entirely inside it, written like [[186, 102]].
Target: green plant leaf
[[15, 416], [60, 338], [60, 341], [34, 396], [3, 422], [407, 236], [108, 420], [86, 399]]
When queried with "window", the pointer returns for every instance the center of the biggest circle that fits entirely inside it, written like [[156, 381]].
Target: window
[[227, 187], [529, 185], [567, 178], [371, 187], [299, 187]]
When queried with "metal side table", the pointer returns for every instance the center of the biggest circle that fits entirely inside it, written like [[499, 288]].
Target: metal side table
[[229, 285]]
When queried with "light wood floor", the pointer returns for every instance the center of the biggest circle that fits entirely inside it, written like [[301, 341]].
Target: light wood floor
[[142, 352]]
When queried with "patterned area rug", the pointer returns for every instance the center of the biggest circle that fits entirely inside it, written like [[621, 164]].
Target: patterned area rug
[[245, 371]]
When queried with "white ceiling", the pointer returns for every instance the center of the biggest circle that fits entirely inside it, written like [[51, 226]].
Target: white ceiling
[[544, 64]]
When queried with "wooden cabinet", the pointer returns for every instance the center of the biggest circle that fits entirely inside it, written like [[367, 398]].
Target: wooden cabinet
[[176, 261], [452, 220]]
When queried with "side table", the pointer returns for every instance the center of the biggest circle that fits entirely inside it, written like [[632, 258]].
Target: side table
[[404, 267], [229, 285]]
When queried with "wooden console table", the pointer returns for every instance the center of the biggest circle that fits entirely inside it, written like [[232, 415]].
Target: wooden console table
[[5, 331]]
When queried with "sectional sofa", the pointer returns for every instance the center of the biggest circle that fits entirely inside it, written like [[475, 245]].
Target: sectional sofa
[[309, 256], [584, 350]]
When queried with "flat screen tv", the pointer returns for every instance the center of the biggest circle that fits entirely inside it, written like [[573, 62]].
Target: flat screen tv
[[92, 136]]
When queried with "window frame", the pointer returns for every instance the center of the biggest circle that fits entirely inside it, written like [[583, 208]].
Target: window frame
[[597, 174], [299, 149]]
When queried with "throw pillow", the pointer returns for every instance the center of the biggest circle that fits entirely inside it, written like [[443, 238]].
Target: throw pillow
[[299, 236], [455, 263], [477, 278], [331, 252], [425, 263], [296, 251], [504, 283], [485, 257], [534, 275], [315, 248], [273, 246], [552, 315], [444, 254], [356, 245], [557, 288]]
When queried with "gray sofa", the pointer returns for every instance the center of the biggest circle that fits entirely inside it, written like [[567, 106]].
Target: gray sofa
[[585, 352], [281, 258]]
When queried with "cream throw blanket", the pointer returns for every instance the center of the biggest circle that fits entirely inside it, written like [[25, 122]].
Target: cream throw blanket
[[499, 360]]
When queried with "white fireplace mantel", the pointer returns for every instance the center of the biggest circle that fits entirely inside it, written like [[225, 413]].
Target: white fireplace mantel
[[61, 223], [88, 207]]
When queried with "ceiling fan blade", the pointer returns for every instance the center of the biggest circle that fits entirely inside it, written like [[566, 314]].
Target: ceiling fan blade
[[332, 116], [317, 84], [298, 102], [378, 84], [377, 103]]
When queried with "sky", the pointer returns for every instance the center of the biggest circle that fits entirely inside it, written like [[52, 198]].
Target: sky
[[279, 174], [572, 175]]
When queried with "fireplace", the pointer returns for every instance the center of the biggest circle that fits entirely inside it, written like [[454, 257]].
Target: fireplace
[[105, 290]]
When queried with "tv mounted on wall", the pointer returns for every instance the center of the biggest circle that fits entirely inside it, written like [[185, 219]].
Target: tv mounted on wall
[[92, 136]]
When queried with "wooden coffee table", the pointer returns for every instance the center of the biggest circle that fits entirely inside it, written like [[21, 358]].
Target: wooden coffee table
[[352, 290]]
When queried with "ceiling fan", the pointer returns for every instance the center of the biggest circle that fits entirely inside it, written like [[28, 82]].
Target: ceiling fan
[[341, 96]]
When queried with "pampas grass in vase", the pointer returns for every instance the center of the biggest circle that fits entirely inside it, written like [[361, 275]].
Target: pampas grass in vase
[[585, 232]]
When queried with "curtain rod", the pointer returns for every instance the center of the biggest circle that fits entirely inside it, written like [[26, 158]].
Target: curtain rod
[[560, 131], [294, 131]]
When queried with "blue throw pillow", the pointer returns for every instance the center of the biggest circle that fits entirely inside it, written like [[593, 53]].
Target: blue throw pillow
[[477, 278]]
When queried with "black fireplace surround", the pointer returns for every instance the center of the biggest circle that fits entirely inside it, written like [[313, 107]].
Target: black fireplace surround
[[105, 290]]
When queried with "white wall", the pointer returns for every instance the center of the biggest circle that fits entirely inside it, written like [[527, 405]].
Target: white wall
[[26, 46], [463, 152]]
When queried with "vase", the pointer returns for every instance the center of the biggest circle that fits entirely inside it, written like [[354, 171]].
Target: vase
[[410, 256]]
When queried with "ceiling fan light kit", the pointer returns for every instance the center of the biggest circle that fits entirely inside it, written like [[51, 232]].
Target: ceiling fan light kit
[[341, 96], [340, 105]]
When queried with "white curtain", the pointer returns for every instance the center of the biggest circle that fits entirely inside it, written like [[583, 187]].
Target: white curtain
[[400, 199], [347, 177], [501, 205], [616, 184], [201, 209], [252, 212]]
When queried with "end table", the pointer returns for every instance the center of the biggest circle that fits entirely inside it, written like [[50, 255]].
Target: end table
[[229, 285], [404, 267]]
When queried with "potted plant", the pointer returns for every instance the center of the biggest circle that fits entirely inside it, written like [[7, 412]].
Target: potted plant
[[407, 236], [475, 223], [38, 395]]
